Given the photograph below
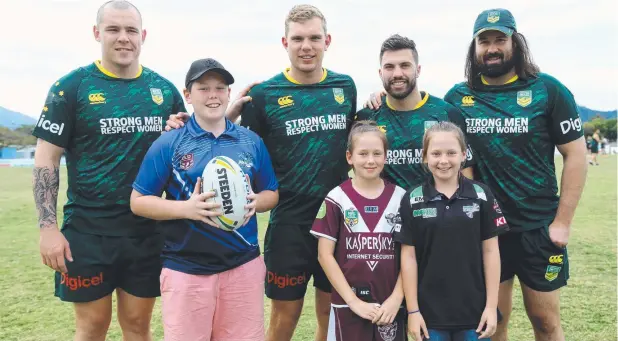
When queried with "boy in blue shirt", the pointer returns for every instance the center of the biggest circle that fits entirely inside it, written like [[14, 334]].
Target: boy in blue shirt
[[211, 277]]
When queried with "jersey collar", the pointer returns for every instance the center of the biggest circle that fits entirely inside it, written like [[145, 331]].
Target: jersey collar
[[111, 74], [289, 77], [512, 80], [230, 129], [464, 191], [424, 98]]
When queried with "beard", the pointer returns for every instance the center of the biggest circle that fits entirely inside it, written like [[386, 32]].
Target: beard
[[495, 70], [411, 85]]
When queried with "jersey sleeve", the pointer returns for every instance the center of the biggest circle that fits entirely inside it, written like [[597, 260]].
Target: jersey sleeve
[[565, 122], [156, 168], [364, 114], [493, 221], [179, 103], [328, 221], [265, 179], [455, 116], [405, 235], [58, 116], [449, 97], [253, 115]]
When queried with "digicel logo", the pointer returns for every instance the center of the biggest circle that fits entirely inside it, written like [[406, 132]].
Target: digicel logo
[[53, 128], [285, 281], [75, 283]]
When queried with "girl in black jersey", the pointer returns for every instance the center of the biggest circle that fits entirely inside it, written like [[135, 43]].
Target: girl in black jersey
[[450, 263]]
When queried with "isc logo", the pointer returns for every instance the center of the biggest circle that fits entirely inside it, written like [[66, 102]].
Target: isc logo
[[567, 125], [557, 259], [96, 98], [467, 101], [285, 101]]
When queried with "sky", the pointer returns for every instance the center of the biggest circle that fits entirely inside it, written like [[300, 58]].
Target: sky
[[42, 40]]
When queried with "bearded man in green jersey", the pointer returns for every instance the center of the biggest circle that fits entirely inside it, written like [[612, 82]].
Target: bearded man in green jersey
[[516, 117], [407, 113], [103, 117]]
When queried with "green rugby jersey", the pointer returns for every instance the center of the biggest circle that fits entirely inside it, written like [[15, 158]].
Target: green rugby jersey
[[513, 130], [404, 131], [305, 128], [105, 124]]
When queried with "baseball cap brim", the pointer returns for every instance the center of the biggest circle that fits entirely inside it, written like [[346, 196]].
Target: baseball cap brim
[[229, 79], [503, 29]]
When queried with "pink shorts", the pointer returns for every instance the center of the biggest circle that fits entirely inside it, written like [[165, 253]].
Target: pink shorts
[[228, 306]]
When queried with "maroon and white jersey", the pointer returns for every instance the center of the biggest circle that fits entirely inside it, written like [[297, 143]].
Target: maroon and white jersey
[[363, 229]]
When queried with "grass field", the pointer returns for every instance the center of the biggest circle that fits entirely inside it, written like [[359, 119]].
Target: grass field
[[30, 312]]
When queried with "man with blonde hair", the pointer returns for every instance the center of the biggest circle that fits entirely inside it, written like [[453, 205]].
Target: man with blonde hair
[[304, 115]]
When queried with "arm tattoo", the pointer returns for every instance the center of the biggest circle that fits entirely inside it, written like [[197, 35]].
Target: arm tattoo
[[46, 182]]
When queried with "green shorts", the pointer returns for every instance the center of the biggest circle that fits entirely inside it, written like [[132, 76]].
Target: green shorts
[[534, 259], [103, 263]]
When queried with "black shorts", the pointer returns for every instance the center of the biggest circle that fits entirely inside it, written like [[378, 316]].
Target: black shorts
[[291, 257], [103, 263], [345, 325], [534, 259]]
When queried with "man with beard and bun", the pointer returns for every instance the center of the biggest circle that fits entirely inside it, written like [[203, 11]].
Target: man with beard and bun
[[408, 112], [515, 118]]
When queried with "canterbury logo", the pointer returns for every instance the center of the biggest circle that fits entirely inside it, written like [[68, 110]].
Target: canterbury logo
[[285, 101], [557, 259], [97, 98], [467, 101]]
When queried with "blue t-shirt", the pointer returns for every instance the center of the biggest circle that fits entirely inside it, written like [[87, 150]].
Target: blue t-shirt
[[173, 163]]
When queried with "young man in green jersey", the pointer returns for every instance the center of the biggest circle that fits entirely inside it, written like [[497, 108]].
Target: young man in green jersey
[[515, 119], [407, 113], [103, 117], [303, 114]]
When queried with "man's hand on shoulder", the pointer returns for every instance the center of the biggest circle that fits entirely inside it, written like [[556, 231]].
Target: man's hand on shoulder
[[176, 121], [375, 100], [234, 109]]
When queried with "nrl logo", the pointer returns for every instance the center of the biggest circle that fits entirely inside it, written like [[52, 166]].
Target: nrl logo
[[339, 96], [493, 17], [351, 217], [157, 95]]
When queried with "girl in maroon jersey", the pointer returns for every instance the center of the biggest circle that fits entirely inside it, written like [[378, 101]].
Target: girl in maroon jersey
[[355, 227], [450, 263]]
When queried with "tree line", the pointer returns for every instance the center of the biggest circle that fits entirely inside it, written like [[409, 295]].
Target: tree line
[[19, 137], [607, 128]]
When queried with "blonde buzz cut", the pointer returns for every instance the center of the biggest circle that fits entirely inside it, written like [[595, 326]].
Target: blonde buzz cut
[[302, 13]]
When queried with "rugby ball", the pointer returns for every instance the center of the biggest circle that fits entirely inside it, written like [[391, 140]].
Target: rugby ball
[[224, 176]]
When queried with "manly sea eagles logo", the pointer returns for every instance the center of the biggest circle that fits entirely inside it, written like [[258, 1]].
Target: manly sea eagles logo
[[388, 332], [186, 162], [394, 220]]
